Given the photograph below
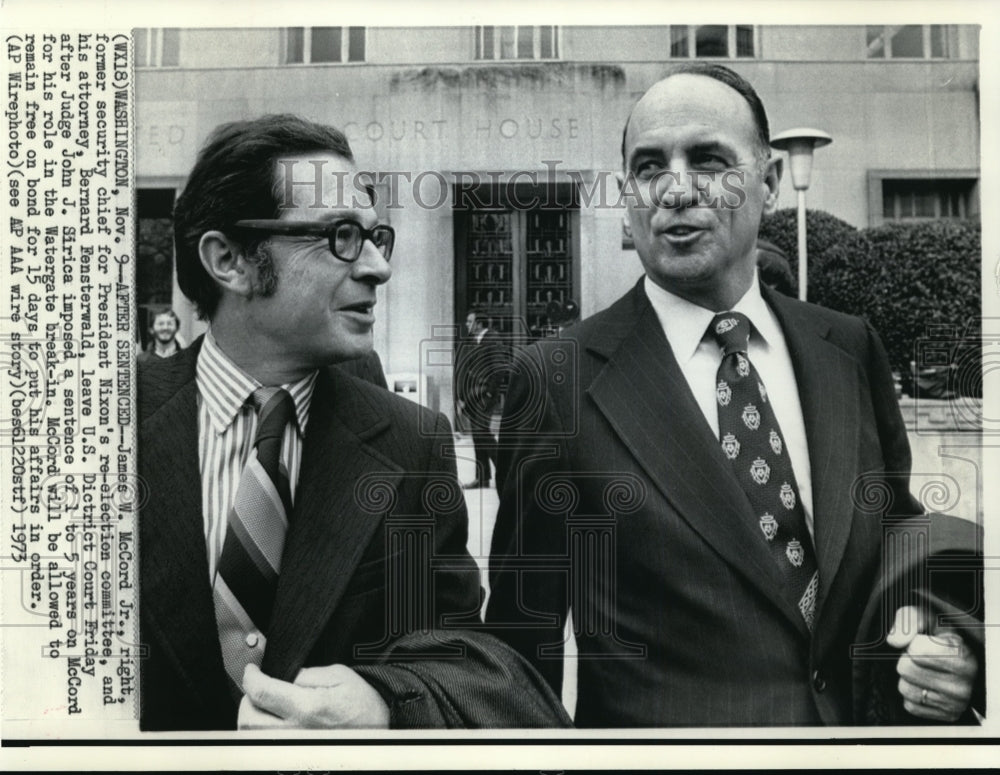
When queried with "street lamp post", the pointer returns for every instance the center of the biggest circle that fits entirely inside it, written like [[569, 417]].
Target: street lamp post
[[800, 144]]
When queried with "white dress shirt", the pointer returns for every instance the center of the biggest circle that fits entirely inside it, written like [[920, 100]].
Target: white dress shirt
[[698, 355]]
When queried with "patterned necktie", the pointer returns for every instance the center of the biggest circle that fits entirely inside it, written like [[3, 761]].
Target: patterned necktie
[[752, 440], [247, 577]]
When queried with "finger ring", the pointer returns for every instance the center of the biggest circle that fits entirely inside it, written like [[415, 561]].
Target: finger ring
[[923, 697]]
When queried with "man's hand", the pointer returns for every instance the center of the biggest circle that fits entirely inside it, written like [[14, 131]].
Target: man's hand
[[936, 672], [331, 697]]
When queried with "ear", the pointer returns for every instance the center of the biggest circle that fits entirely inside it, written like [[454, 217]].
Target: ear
[[224, 261], [772, 181]]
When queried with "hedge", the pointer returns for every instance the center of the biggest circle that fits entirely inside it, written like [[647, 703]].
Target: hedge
[[922, 294], [834, 249], [918, 283]]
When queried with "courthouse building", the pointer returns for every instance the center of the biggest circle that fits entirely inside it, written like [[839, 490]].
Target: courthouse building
[[510, 137]]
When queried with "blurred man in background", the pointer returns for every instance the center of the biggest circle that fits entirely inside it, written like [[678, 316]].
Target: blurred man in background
[[482, 363], [163, 341]]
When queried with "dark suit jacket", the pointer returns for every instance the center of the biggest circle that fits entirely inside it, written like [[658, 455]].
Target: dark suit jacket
[[481, 368], [618, 500], [367, 367], [936, 563], [375, 572]]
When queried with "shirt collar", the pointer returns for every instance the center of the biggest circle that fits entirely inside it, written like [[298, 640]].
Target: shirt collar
[[685, 323], [226, 388], [174, 348]]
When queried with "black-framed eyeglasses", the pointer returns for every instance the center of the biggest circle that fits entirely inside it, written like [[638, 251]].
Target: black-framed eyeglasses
[[346, 236]]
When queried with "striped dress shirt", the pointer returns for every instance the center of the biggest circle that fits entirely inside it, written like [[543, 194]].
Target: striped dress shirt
[[227, 423]]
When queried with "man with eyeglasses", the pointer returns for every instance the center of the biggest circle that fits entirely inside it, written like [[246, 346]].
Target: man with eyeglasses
[[303, 553]]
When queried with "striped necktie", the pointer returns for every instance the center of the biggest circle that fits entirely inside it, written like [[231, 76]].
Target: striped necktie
[[752, 440], [247, 577]]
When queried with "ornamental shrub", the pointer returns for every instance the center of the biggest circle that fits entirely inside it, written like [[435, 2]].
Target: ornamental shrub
[[834, 248], [923, 296], [917, 283]]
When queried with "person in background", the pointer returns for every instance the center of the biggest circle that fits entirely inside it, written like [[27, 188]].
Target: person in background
[[774, 269], [568, 316], [481, 364], [163, 333]]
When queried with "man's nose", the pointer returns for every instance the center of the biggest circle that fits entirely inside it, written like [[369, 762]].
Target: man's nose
[[371, 265], [675, 186]]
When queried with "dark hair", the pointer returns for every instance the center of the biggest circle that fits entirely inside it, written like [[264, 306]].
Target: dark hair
[[734, 81], [166, 311], [234, 178]]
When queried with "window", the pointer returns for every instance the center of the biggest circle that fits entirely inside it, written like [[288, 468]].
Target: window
[[517, 255], [909, 195], [907, 200], [517, 42], [157, 47], [311, 45], [711, 40], [912, 41]]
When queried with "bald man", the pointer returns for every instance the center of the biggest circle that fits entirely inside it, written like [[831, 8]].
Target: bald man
[[685, 471]]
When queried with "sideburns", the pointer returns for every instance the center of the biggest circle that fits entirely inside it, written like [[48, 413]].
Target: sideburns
[[265, 283]]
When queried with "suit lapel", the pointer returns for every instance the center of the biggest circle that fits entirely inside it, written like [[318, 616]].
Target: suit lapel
[[642, 380], [329, 531], [828, 391], [176, 591]]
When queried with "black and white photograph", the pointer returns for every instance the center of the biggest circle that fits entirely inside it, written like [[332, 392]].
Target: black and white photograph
[[564, 383]]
